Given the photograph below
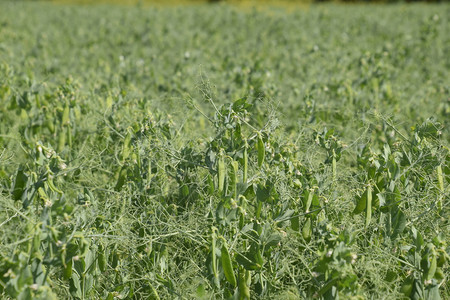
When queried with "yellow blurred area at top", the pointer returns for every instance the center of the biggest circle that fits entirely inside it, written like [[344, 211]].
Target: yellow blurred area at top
[[244, 3], [130, 2]]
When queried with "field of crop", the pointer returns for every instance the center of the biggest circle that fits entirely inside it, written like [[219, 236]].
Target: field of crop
[[217, 152]]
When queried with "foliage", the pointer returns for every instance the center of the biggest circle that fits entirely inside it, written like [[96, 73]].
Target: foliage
[[316, 166]]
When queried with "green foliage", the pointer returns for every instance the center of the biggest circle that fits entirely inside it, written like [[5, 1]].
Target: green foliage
[[316, 166]]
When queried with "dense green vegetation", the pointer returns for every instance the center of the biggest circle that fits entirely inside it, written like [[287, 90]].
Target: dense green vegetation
[[209, 152]]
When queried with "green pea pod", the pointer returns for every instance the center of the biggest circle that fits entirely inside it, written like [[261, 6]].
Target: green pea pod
[[115, 260], [210, 184], [126, 146], [243, 288], [309, 201], [432, 269], [68, 269], [221, 173], [295, 223], [52, 186], [441, 186], [439, 274], [334, 166], [227, 266], [37, 241], [42, 194], [49, 123], [213, 259], [244, 179], [234, 178], [62, 139], [69, 137], [306, 230], [261, 151], [101, 258], [121, 178], [440, 178], [65, 120], [368, 206], [154, 293], [241, 219], [248, 278]]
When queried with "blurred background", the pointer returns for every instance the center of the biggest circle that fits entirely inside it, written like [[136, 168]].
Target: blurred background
[[239, 2]]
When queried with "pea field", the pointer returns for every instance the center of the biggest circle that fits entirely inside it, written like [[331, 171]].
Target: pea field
[[216, 151]]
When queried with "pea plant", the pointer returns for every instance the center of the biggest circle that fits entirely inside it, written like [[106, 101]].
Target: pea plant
[[317, 166]]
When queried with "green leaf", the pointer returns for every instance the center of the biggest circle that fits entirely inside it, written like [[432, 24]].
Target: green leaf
[[24, 278], [74, 286], [241, 105], [37, 272], [432, 292], [418, 239], [25, 294], [247, 263], [263, 192], [285, 215], [19, 184], [398, 223], [273, 240], [361, 204]]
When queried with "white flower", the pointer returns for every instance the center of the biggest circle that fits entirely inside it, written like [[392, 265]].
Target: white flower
[[233, 204], [10, 273], [50, 153]]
